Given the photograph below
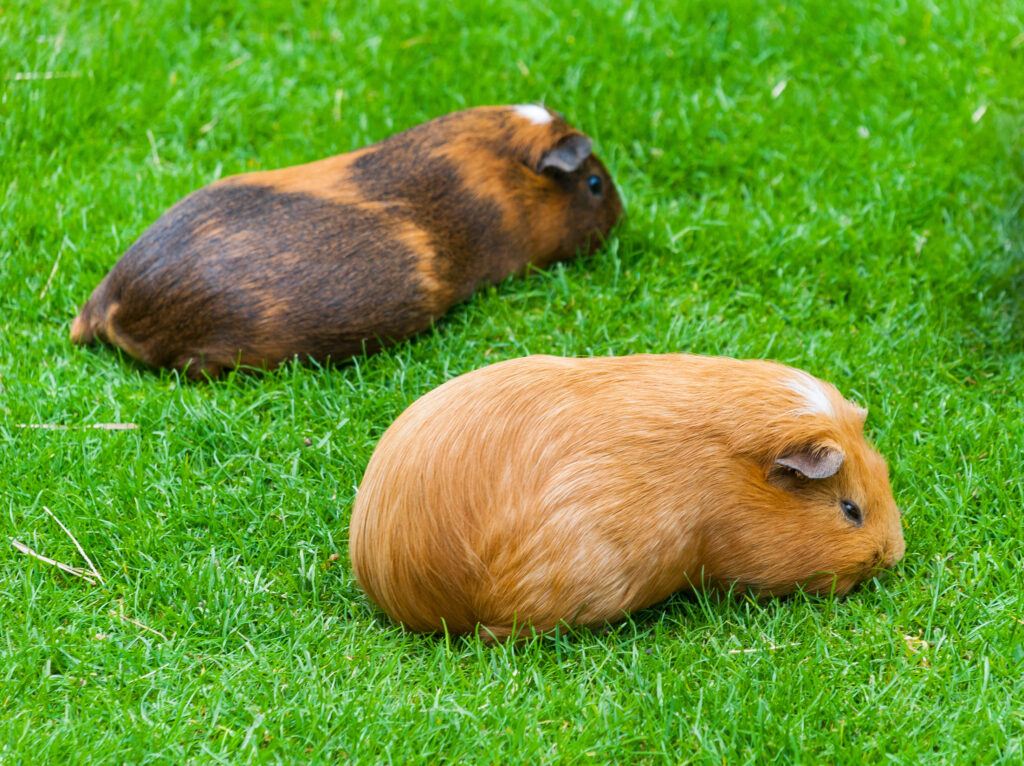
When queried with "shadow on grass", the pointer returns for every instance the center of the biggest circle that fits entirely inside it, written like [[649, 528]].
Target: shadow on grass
[[695, 617]]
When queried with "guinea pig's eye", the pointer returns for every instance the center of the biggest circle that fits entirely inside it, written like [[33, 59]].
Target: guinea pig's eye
[[852, 512], [595, 185]]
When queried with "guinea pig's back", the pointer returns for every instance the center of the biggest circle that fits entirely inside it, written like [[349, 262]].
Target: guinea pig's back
[[332, 257], [430, 495], [514, 490], [226, 267]]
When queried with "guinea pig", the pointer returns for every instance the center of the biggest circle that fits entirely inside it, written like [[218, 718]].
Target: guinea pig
[[339, 256], [543, 490]]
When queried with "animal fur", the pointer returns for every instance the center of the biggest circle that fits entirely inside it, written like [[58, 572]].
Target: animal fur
[[342, 255], [545, 490]]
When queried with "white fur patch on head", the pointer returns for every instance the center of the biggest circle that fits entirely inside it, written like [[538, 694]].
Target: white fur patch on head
[[813, 392], [535, 113]]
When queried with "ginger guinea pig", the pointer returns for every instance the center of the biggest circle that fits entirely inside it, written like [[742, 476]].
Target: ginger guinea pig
[[545, 490], [335, 257]]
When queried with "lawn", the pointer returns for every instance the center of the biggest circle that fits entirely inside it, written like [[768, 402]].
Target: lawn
[[838, 186]]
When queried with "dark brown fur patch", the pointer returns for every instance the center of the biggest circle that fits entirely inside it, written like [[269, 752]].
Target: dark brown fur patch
[[260, 279]]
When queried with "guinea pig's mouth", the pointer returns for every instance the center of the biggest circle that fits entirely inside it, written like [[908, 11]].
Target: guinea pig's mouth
[[883, 561], [876, 567], [842, 583]]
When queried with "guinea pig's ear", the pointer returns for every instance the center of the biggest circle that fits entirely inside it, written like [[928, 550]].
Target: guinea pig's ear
[[815, 461], [567, 155]]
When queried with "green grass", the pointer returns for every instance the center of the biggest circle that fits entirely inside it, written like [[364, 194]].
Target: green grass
[[865, 223]]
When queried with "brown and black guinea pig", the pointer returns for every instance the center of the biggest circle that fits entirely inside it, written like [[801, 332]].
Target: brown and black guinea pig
[[544, 490], [337, 257]]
